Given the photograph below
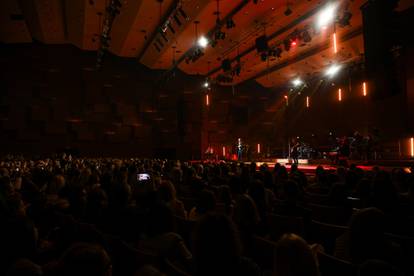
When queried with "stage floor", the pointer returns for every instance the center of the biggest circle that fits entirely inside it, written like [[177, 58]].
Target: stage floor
[[309, 166]]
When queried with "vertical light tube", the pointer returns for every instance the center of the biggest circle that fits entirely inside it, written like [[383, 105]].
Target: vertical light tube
[[339, 94], [258, 148], [364, 88]]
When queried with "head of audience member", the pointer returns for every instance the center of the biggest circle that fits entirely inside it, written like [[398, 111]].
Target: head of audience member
[[206, 202], [293, 168], [24, 267], [160, 220], [148, 270], [366, 235], [216, 244], [257, 192], [18, 239], [166, 192], [291, 191], [83, 259], [384, 193], [294, 257], [246, 215]]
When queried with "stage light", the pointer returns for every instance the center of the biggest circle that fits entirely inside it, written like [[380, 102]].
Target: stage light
[[202, 41], [326, 16], [293, 43], [412, 146], [307, 101], [296, 82], [206, 84], [334, 43], [339, 94], [332, 70], [224, 151], [207, 100], [258, 148], [287, 100], [364, 88]]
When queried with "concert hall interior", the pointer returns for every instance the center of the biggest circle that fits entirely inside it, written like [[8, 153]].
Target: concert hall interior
[[207, 137]]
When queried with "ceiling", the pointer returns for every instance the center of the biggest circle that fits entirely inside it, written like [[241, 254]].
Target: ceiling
[[138, 27]]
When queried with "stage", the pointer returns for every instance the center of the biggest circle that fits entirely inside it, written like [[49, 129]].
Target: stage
[[308, 166]]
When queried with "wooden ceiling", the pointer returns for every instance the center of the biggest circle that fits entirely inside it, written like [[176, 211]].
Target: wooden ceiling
[[137, 28]]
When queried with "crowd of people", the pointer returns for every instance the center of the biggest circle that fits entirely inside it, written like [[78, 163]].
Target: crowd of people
[[98, 216]]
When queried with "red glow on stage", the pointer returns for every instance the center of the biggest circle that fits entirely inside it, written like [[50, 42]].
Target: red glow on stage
[[364, 88], [339, 94], [258, 148], [293, 43]]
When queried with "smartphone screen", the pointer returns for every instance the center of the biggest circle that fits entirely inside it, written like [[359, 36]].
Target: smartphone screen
[[143, 176]]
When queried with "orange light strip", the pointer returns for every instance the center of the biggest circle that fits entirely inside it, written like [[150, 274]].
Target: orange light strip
[[364, 88], [307, 101], [224, 151], [258, 148], [339, 94], [412, 146], [207, 100], [334, 43]]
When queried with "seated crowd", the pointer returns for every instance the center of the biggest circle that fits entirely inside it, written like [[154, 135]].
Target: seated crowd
[[73, 216]]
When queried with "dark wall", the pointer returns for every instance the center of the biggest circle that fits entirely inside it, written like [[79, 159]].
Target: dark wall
[[53, 98]]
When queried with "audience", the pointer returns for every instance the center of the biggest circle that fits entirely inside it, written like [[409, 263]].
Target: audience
[[74, 216], [294, 257], [217, 248]]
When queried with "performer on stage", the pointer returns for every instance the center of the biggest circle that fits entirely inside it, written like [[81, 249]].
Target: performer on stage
[[239, 149], [294, 153]]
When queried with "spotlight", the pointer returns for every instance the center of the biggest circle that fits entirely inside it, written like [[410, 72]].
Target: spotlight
[[202, 42], [332, 70], [326, 16], [296, 82], [293, 42], [288, 11], [206, 84]]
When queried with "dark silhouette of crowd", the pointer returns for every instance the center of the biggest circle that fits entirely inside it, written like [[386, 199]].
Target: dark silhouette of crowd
[[98, 216]]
